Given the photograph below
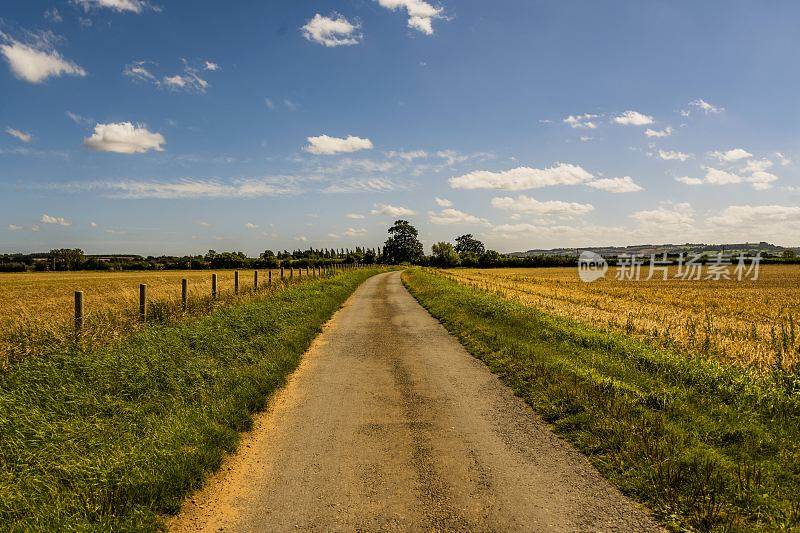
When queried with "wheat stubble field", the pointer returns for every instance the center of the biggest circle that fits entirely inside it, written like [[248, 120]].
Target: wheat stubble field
[[747, 323]]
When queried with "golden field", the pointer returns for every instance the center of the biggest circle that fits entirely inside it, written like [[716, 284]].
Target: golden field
[[749, 323], [39, 307]]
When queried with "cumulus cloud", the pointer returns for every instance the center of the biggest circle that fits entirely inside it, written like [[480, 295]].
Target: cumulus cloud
[[760, 180], [38, 59], [58, 221], [731, 156], [250, 225], [581, 121], [327, 145], [633, 118], [443, 202], [522, 178], [756, 215], [666, 132], [420, 13], [210, 65], [668, 216], [782, 159], [14, 227], [330, 32], [715, 176], [120, 6], [355, 232], [672, 155], [124, 138], [689, 181], [616, 185], [757, 165], [354, 216], [21, 135], [527, 204], [450, 216], [391, 210]]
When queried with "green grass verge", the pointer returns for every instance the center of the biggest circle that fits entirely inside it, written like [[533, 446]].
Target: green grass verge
[[706, 447], [110, 439]]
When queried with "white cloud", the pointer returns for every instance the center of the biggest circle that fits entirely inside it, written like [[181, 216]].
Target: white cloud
[[326, 145], [187, 188], [667, 216], [633, 118], [391, 210], [364, 185], [666, 132], [269, 103], [59, 221], [131, 6], [782, 159], [671, 155], [757, 215], [527, 204], [443, 202], [689, 181], [78, 119], [124, 138], [616, 185], [761, 180], [210, 65], [586, 138], [37, 61], [706, 107], [715, 176], [92, 224], [522, 178], [757, 165], [354, 216], [408, 156], [331, 32], [420, 13], [188, 81], [250, 225], [21, 135], [301, 238], [139, 71], [14, 227], [355, 232], [452, 216], [730, 156], [581, 121]]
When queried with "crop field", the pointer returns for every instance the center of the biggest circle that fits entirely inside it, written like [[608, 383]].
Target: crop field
[[38, 307], [751, 323]]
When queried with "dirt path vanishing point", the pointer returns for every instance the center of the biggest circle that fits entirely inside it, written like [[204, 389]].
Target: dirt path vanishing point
[[389, 424]]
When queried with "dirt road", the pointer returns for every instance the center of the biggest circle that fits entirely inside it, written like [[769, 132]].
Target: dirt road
[[390, 424]]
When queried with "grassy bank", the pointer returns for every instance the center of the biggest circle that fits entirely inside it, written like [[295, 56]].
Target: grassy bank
[[108, 439], [706, 446]]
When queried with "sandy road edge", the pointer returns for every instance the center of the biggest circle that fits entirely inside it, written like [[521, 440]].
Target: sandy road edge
[[213, 496]]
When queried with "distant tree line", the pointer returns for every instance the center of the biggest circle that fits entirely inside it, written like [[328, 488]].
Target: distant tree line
[[402, 247]]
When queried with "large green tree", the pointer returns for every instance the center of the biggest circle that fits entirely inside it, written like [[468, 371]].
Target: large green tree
[[444, 254], [402, 246], [469, 245]]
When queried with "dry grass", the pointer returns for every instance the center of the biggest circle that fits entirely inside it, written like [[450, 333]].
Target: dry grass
[[748, 323], [38, 308]]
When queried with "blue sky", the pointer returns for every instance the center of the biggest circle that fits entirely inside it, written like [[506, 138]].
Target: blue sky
[[176, 127]]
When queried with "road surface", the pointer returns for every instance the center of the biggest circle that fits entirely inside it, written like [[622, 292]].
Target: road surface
[[389, 424]]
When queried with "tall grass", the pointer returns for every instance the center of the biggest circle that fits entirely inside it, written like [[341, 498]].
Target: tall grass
[[708, 446], [111, 438]]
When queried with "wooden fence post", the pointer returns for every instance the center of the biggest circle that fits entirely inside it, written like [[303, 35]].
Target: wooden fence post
[[213, 285], [236, 282], [291, 274], [306, 270], [255, 280], [78, 311], [281, 273], [143, 302], [300, 274], [184, 293], [269, 278]]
